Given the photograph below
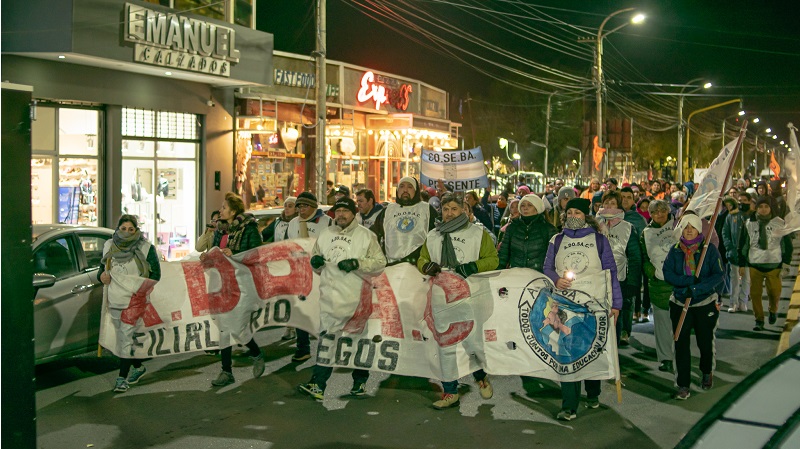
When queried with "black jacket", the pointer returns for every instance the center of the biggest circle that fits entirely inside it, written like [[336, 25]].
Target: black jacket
[[525, 245]]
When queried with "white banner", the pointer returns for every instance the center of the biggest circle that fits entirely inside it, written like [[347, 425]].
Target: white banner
[[506, 322], [461, 170], [792, 170], [708, 188]]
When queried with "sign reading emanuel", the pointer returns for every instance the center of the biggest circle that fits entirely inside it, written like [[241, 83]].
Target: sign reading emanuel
[[170, 40]]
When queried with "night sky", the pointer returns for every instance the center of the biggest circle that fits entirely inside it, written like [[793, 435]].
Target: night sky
[[746, 48]]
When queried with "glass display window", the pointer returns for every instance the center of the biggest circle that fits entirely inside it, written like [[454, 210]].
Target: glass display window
[[78, 132], [42, 190], [138, 148], [77, 191]]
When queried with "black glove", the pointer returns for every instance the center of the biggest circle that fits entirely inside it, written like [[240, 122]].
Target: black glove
[[317, 262], [466, 270], [431, 269], [348, 265]]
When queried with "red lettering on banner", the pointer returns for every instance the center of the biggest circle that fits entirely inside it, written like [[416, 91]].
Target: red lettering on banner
[[202, 301], [298, 282], [140, 307], [455, 289], [388, 311]]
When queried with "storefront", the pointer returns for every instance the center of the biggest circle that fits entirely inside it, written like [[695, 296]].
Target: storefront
[[377, 125], [131, 117]]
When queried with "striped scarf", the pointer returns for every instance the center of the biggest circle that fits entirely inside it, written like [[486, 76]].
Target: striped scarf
[[689, 248]]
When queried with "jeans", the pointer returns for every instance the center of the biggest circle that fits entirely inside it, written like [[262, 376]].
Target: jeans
[[321, 374], [227, 355], [451, 387], [571, 393], [626, 314], [703, 320], [740, 286], [773, 281], [125, 366]]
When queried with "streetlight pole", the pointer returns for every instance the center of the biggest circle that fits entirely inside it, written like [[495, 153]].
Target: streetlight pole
[[547, 132], [322, 101], [681, 126], [693, 113]]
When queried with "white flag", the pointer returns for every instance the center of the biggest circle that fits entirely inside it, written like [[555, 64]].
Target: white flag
[[792, 169], [710, 185]]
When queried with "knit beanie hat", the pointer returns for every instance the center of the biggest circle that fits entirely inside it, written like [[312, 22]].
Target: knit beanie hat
[[581, 204], [525, 190], [291, 199], [688, 219], [535, 202], [346, 203], [597, 198], [764, 200], [308, 199], [566, 192]]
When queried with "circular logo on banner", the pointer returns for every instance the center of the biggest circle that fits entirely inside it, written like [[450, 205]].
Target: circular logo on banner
[[566, 329], [406, 224]]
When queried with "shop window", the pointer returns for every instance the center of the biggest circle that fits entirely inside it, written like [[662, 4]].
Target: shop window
[[209, 8], [42, 190], [177, 150], [243, 13], [43, 130], [138, 148], [77, 191], [78, 132]]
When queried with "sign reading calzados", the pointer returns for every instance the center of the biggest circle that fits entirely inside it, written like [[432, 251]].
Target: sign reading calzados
[[170, 40]]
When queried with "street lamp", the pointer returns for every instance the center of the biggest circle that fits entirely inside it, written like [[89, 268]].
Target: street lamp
[[680, 121], [635, 19], [504, 145], [755, 150], [689, 119]]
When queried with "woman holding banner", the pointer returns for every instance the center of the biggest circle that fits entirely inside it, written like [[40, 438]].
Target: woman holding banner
[[236, 232], [699, 284], [581, 234], [128, 253]]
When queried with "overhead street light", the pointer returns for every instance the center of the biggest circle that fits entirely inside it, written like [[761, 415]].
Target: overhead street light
[[689, 120], [681, 97]]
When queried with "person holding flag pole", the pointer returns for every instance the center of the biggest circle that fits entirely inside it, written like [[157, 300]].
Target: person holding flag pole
[[694, 297]]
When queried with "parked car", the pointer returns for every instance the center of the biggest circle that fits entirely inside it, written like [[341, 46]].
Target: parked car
[[69, 297]]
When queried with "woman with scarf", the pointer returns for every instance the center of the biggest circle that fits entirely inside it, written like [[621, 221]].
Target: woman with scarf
[[643, 208], [511, 214], [526, 239], [465, 249], [130, 254], [624, 241], [763, 251], [681, 272], [276, 231], [582, 242], [236, 232]]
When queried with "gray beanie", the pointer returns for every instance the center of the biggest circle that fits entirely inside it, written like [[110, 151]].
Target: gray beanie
[[566, 192]]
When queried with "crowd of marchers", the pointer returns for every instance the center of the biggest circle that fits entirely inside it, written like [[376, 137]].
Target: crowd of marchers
[[642, 234]]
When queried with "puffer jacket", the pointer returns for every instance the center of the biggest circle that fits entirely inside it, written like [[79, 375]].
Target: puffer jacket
[[731, 235], [525, 245]]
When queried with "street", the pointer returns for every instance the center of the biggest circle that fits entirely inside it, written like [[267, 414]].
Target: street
[[174, 406]]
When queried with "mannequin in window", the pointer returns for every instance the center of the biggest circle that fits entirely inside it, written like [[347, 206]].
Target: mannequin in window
[[163, 185], [85, 184]]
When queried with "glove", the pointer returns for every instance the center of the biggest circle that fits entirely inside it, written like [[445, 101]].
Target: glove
[[466, 270], [317, 262], [431, 269], [348, 265]]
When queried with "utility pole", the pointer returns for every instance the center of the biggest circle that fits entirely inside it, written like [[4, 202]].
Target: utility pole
[[681, 127], [322, 101], [547, 132]]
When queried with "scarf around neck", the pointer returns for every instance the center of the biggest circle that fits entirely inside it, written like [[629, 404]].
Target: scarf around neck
[[124, 249], [611, 216], [689, 248], [235, 229], [449, 258], [763, 237]]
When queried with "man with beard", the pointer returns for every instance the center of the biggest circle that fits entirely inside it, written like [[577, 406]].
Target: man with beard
[[368, 210], [310, 222], [402, 226], [343, 255], [457, 245]]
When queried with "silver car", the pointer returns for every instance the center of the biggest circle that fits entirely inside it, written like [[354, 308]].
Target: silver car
[[69, 296]]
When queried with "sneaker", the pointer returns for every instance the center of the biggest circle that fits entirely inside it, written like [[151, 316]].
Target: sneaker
[[666, 366], [636, 317], [359, 389], [623, 339], [743, 308], [708, 381], [733, 309], [759, 326], [645, 318], [566, 415], [683, 394], [485, 388], [121, 386], [224, 378], [773, 317], [301, 356], [259, 364], [289, 334], [312, 390], [592, 402], [136, 374], [448, 400]]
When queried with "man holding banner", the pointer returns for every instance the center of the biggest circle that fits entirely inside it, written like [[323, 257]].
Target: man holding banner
[[466, 249], [402, 226], [345, 254]]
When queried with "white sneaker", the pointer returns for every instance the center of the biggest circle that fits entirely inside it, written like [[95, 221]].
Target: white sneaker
[[743, 308], [732, 309]]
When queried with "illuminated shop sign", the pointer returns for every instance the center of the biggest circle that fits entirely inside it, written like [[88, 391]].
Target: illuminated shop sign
[[170, 40], [305, 80], [383, 90]]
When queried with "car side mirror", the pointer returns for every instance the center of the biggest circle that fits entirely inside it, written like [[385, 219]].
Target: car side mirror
[[43, 280]]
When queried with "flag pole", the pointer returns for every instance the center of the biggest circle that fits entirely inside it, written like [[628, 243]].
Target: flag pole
[[714, 216]]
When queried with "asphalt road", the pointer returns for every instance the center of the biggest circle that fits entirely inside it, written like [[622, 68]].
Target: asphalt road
[[174, 406]]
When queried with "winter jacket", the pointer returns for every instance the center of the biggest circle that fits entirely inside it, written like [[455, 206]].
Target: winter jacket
[[487, 254], [525, 245], [636, 219], [250, 239], [659, 290], [701, 287], [731, 235], [606, 258], [786, 246], [718, 228]]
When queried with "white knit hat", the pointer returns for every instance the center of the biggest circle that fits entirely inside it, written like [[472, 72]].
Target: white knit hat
[[535, 201], [688, 219], [290, 199]]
